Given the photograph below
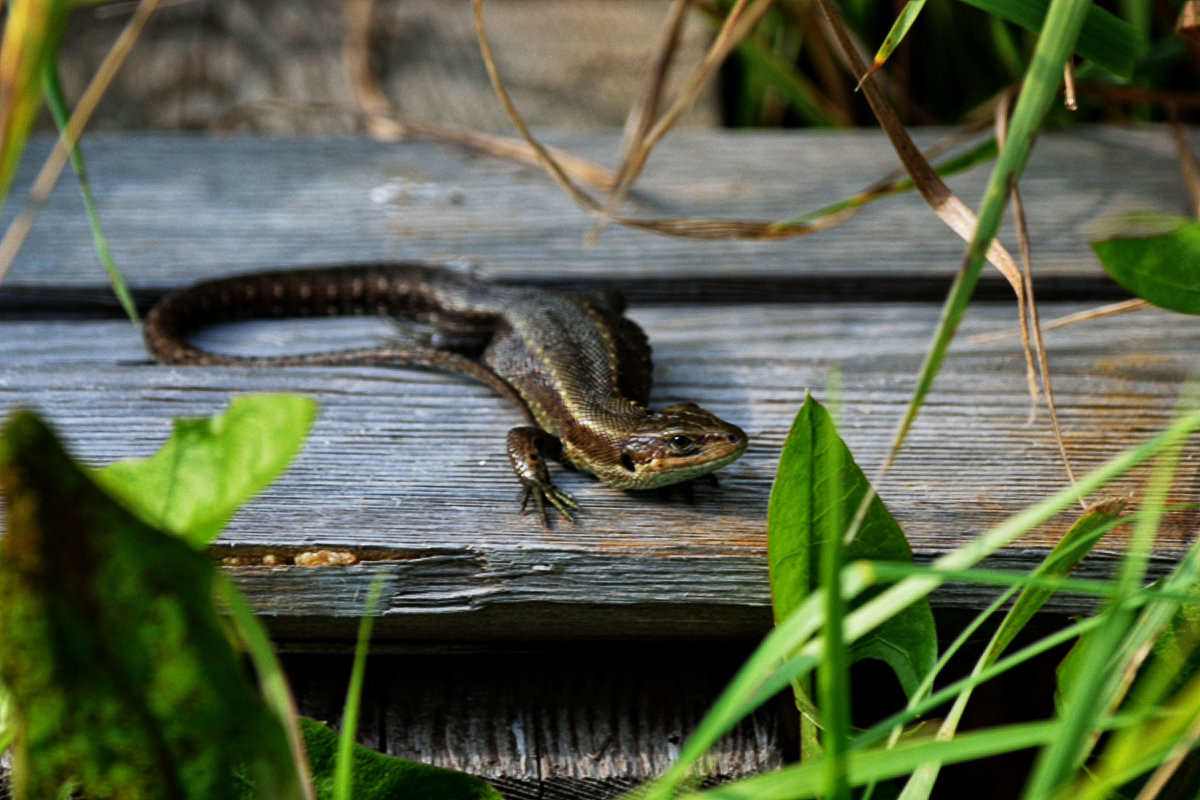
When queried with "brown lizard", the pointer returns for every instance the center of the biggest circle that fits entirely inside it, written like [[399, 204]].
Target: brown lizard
[[577, 368]]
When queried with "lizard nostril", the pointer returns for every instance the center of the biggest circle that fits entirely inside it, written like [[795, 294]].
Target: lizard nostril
[[627, 462]]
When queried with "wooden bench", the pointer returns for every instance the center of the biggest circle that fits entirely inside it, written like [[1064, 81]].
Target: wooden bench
[[550, 660]]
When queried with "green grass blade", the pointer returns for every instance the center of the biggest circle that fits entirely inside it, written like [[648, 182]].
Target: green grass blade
[[343, 776], [776, 71], [57, 102], [1104, 39], [882, 730], [1054, 47], [984, 151], [272, 681], [868, 766], [908, 15], [833, 673], [1075, 544], [1090, 698], [786, 654]]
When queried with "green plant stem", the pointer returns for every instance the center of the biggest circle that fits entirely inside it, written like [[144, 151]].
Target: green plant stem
[[343, 775], [833, 674], [272, 680], [56, 100]]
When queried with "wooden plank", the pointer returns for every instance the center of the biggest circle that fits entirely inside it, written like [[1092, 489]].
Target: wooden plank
[[178, 208], [567, 63], [571, 720], [406, 470]]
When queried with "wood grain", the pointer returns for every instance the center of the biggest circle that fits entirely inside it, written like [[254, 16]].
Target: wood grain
[[406, 469], [178, 208]]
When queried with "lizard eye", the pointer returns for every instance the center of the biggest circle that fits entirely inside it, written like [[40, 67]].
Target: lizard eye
[[680, 443]]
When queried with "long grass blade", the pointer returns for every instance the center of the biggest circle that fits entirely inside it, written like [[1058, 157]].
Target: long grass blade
[[804, 780], [1053, 49], [1093, 694], [57, 102], [343, 775], [272, 680], [908, 15], [788, 652]]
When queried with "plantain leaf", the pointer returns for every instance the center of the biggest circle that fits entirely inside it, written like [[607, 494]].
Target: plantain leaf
[[1163, 269], [122, 679], [817, 490], [211, 466], [382, 777]]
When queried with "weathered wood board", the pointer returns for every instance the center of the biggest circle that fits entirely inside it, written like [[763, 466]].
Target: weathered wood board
[[178, 208], [406, 470]]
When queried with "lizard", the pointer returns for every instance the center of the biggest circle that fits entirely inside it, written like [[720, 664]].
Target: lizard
[[578, 369]]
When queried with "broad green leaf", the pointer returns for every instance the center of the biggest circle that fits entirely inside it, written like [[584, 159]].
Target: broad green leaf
[[1162, 269], [817, 491], [121, 675], [211, 466], [1104, 39], [382, 777]]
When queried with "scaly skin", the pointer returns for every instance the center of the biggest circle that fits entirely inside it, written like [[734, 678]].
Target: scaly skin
[[575, 365]]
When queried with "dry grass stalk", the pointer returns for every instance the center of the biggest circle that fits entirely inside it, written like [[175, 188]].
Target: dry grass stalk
[[693, 227], [1032, 324], [952, 211], [1110, 310]]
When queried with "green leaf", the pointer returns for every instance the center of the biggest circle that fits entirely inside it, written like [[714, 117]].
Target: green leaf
[[818, 489], [1075, 544], [32, 31], [1162, 269], [120, 673], [1105, 39], [383, 777], [211, 466], [908, 15]]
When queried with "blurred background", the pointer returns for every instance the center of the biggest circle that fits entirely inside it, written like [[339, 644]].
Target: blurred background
[[279, 66]]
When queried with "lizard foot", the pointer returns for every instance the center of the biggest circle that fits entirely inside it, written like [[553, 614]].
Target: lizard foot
[[549, 493]]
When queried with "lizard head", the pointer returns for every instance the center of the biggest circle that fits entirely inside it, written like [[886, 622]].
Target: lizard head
[[677, 444]]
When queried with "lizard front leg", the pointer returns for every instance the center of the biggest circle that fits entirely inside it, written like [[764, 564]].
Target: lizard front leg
[[528, 449]]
